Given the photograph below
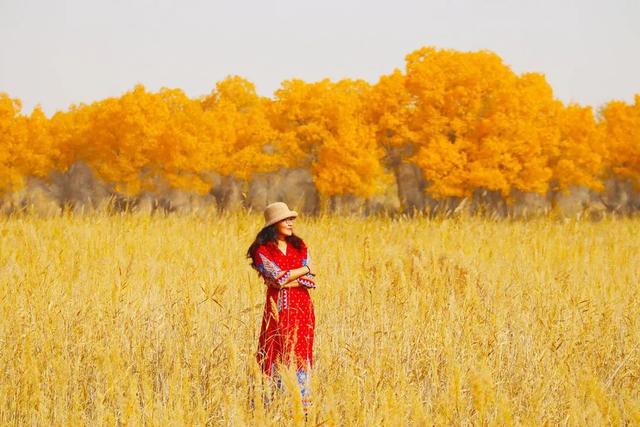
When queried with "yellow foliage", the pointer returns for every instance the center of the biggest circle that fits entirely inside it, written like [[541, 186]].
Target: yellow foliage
[[239, 135], [464, 118], [324, 127], [68, 128], [622, 132], [477, 124], [141, 140], [26, 147], [580, 155], [390, 106], [12, 145]]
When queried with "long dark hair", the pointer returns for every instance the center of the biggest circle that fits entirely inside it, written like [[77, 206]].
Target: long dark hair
[[270, 234]]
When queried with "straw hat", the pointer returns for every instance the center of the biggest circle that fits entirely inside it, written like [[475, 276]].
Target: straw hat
[[277, 211]]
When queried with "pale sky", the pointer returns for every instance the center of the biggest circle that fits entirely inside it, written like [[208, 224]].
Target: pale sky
[[60, 52]]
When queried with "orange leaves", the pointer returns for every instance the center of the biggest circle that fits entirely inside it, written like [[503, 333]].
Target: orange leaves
[[468, 122], [444, 165], [478, 125], [621, 123], [238, 132], [453, 89], [324, 127], [580, 155], [301, 115], [350, 163], [26, 146], [389, 107], [464, 118], [142, 140], [12, 144]]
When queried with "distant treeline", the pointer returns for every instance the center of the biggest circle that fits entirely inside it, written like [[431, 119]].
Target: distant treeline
[[454, 130]]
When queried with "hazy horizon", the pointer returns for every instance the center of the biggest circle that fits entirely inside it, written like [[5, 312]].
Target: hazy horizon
[[76, 51]]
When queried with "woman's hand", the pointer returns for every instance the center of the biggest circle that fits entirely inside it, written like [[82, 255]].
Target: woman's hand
[[292, 284], [312, 269]]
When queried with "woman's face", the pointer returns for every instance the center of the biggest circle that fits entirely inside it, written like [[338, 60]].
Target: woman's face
[[285, 227]]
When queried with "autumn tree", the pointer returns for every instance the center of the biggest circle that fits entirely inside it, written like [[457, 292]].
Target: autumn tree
[[579, 156], [621, 127], [142, 139], [68, 129], [323, 126], [477, 124], [240, 139], [390, 106], [464, 120], [26, 147]]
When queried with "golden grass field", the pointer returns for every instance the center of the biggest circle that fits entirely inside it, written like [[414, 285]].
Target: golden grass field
[[139, 320]]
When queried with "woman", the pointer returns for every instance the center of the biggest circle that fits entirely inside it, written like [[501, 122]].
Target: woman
[[288, 322]]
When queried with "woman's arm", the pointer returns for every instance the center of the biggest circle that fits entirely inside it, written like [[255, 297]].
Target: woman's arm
[[274, 275], [296, 272], [308, 280], [303, 273]]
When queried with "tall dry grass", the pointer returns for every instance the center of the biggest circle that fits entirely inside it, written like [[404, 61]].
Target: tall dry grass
[[153, 320]]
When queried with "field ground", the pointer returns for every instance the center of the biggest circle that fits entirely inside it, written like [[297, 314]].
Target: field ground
[[135, 319]]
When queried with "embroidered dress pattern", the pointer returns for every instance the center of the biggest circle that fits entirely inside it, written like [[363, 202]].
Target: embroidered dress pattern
[[286, 336]]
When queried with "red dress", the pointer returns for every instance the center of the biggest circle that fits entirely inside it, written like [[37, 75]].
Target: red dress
[[288, 321]]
